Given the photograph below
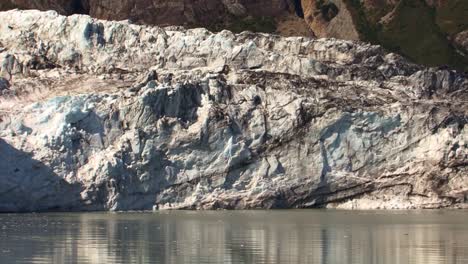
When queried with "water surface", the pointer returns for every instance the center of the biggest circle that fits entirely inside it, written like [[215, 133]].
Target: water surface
[[286, 236]]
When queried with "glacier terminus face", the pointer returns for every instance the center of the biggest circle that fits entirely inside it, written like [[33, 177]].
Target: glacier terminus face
[[100, 115]]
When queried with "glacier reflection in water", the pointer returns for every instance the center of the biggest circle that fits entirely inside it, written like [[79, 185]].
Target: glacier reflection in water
[[286, 236]]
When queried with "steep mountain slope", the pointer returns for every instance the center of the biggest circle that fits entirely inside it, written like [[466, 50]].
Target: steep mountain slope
[[425, 31], [98, 115]]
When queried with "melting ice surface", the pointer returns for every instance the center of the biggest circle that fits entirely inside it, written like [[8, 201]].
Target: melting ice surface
[[293, 236]]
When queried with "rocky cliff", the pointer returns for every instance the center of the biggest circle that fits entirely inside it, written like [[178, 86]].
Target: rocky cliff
[[98, 115]]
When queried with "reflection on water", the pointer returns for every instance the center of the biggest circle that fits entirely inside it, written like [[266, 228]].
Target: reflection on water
[[307, 236]]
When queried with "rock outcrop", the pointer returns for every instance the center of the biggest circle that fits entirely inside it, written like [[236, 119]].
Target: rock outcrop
[[105, 115]]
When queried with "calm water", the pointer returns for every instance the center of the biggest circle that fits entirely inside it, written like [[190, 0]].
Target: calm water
[[306, 236]]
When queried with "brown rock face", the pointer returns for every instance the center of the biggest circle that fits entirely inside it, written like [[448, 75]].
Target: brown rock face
[[279, 16], [266, 7], [461, 41], [65, 7], [329, 19], [161, 12], [186, 12]]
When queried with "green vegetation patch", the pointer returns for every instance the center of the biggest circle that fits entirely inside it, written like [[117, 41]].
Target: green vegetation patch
[[412, 31], [361, 19], [240, 24], [452, 16], [255, 24], [6, 6]]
